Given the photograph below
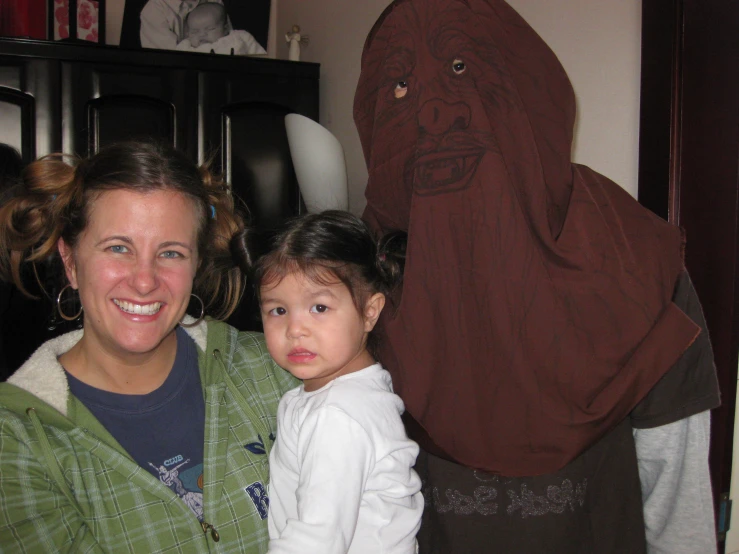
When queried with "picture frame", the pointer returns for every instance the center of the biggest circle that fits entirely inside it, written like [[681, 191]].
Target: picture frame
[[76, 20], [251, 16]]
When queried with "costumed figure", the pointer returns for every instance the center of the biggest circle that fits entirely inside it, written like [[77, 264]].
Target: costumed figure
[[547, 341]]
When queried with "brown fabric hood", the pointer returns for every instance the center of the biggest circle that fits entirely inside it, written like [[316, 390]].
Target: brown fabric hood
[[536, 307]]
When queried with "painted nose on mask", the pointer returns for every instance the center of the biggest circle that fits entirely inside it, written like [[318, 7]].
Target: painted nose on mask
[[437, 116]]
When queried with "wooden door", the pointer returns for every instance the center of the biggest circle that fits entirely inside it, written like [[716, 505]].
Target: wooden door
[[688, 171]]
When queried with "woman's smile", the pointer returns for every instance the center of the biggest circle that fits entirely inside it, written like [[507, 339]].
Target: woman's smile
[[138, 309]]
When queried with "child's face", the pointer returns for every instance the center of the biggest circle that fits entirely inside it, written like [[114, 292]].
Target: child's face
[[315, 331], [204, 27]]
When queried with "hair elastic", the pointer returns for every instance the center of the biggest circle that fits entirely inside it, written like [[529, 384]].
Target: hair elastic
[[212, 211]]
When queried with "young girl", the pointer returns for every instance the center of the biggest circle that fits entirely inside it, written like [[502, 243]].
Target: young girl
[[341, 477]]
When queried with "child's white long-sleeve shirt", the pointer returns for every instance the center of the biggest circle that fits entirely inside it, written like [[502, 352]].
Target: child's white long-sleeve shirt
[[341, 477]]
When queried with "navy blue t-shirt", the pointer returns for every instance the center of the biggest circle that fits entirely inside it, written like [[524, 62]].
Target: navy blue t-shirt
[[164, 430]]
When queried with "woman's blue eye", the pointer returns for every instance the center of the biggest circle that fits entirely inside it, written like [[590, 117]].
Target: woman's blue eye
[[118, 249], [319, 309], [171, 254]]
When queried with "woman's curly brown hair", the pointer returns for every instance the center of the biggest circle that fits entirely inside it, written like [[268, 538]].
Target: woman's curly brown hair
[[58, 190]]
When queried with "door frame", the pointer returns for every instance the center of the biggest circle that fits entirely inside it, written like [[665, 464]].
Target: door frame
[[689, 172]]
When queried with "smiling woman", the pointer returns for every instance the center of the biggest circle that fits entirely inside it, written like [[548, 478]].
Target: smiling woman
[[136, 264], [140, 231]]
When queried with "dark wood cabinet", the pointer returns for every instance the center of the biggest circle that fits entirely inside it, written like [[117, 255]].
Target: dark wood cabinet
[[77, 98]]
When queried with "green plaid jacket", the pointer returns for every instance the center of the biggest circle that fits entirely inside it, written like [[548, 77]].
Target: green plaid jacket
[[66, 485]]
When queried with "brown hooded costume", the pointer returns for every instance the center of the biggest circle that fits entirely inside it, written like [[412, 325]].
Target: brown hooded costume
[[537, 306]]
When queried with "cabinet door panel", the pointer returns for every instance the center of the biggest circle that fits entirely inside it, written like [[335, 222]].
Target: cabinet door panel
[[17, 112], [116, 117], [243, 127], [256, 160], [110, 103], [29, 111]]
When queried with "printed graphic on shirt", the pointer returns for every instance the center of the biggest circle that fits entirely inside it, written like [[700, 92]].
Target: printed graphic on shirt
[[258, 495], [257, 447], [513, 501], [187, 483]]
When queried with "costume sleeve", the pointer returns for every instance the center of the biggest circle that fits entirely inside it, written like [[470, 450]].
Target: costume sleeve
[[690, 386], [34, 515], [335, 456], [676, 486], [155, 31], [671, 432]]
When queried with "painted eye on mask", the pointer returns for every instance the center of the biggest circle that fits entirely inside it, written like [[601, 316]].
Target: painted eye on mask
[[401, 89], [458, 66]]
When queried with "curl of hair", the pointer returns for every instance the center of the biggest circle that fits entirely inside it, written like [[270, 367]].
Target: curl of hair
[[219, 279], [57, 192], [391, 250], [30, 221]]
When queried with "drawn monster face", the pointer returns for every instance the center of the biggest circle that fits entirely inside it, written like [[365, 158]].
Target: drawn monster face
[[438, 78]]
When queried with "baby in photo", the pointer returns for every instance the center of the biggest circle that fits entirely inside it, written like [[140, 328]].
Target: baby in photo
[[207, 30]]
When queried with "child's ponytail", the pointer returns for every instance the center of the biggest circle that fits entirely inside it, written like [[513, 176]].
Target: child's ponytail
[[391, 250]]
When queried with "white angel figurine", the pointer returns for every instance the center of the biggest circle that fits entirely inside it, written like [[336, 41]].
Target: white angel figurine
[[295, 39]]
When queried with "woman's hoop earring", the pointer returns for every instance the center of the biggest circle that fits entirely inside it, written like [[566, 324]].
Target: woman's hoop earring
[[200, 317], [59, 305]]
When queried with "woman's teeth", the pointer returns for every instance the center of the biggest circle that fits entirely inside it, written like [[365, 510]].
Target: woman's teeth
[[138, 309]]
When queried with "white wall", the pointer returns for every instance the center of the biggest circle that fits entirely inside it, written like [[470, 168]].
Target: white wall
[[337, 29], [598, 42], [599, 45]]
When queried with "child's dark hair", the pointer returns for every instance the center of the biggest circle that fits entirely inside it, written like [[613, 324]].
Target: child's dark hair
[[330, 246]]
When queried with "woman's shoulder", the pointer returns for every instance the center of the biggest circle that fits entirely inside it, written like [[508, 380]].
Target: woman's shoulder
[[229, 340], [248, 355]]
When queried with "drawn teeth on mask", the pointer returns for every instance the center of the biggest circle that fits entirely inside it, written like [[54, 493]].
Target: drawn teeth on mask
[[456, 168]]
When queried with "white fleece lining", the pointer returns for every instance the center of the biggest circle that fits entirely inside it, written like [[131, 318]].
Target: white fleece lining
[[43, 376]]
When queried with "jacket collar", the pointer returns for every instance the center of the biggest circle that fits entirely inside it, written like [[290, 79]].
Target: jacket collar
[[43, 376]]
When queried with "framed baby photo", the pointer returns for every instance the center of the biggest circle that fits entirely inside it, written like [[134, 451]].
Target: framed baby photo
[[229, 27]]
